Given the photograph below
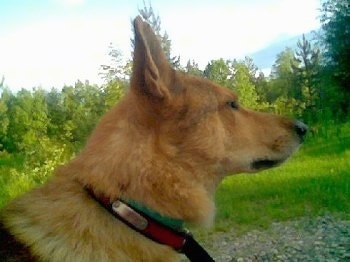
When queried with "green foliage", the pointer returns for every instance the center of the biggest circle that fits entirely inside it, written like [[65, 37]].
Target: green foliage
[[17, 177], [335, 19], [27, 114], [218, 71], [307, 76], [31, 118], [113, 92], [45, 129], [84, 104], [4, 116], [288, 107], [330, 98], [283, 82], [193, 69], [241, 77], [244, 86]]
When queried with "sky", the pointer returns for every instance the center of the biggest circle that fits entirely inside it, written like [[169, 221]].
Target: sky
[[50, 43]]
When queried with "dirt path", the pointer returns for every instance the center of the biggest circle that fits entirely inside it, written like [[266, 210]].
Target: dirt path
[[323, 238]]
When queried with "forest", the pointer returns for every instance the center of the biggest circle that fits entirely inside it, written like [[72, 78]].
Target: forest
[[40, 129]]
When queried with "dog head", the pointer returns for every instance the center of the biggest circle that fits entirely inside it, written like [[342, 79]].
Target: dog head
[[203, 121], [174, 136]]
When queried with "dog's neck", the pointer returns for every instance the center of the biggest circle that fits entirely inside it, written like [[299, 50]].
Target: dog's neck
[[174, 223], [161, 229]]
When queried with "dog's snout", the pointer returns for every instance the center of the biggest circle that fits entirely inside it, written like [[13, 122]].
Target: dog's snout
[[300, 128]]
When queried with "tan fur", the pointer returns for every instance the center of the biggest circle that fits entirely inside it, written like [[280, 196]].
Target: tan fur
[[167, 144]]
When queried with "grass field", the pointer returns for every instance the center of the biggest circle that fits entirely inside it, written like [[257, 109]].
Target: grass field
[[315, 181]]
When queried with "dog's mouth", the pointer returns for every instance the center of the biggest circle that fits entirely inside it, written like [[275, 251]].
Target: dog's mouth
[[265, 163]]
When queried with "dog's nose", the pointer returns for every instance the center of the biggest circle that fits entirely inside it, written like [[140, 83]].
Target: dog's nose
[[300, 128]]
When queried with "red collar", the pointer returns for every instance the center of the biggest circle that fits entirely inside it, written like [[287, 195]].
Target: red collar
[[180, 240], [141, 222]]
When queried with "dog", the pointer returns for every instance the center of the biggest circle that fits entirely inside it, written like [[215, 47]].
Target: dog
[[162, 150]]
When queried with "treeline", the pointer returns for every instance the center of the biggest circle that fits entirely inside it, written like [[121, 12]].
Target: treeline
[[66, 116], [310, 82]]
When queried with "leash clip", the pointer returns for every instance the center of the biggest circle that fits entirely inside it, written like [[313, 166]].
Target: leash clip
[[129, 215]]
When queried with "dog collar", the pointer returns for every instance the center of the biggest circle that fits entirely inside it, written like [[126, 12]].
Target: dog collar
[[165, 220], [144, 221]]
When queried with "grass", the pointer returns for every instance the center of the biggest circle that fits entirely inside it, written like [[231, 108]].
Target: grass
[[315, 181], [8, 162]]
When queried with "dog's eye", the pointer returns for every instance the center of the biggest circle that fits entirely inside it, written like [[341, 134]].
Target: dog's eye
[[233, 104]]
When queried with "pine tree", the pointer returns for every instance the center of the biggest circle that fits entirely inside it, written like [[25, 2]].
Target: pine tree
[[306, 71], [335, 19]]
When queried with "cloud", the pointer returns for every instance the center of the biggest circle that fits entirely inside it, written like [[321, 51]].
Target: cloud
[[68, 46], [58, 52], [230, 31]]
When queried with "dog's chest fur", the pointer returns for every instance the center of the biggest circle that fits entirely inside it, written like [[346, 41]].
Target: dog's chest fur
[[80, 231]]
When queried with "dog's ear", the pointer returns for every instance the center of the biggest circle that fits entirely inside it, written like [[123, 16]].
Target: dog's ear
[[152, 73]]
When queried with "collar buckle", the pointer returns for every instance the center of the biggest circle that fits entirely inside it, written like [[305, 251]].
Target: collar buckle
[[129, 215]]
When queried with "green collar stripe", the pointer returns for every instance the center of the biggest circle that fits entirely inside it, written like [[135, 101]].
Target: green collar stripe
[[165, 220]]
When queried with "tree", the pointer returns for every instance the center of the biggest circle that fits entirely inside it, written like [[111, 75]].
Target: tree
[[284, 89], [251, 68], [192, 68], [113, 92], [114, 69], [56, 114], [27, 120], [83, 106], [335, 19], [261, 86], [5, 99], [243, 84], [218, 71], [283, 81], [306, 71], [238, 76], [116, 75]]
